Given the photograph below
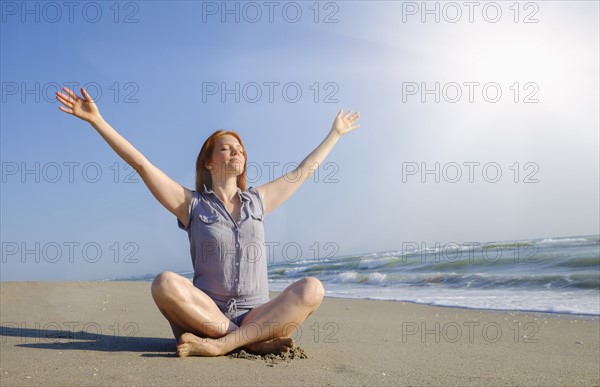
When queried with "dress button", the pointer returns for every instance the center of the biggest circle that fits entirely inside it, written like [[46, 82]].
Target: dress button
[[237, 263], [235, 280], [237, 245]]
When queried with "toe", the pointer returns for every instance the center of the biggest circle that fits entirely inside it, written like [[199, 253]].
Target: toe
[[182, 350]]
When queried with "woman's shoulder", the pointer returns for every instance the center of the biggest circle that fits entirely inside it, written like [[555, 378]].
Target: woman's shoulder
[[251, 190], [251, 193], [254, 196]]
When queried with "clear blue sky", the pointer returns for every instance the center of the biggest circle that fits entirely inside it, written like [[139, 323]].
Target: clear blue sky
[[161, 72]]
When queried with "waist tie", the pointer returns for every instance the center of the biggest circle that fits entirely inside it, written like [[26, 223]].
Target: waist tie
[[224, 302], [232, 307]]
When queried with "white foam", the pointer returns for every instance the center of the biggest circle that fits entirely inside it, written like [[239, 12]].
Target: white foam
[[540, 300], [552, 241], [376, 278], [293, 271], [373, 263], [349, 276]]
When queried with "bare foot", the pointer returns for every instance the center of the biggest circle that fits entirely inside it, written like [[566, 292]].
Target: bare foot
[[191, 345], [276, 345]]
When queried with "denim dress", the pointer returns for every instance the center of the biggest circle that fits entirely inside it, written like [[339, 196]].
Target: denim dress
[[229, 257]]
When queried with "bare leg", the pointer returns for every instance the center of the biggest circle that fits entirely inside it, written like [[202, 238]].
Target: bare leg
[[264, 325], [187, 308]]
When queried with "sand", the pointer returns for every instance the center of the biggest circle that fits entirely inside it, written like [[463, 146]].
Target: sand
[[111, 333]]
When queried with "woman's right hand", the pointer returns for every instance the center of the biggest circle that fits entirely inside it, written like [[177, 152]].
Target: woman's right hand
[[84, 108]]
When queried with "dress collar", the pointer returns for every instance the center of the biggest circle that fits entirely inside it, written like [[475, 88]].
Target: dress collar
[[242, 194]]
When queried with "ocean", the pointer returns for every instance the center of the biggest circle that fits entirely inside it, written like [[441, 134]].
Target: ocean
[[559, 275]]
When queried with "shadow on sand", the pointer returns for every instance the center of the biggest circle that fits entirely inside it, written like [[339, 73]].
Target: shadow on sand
[[90, 339]]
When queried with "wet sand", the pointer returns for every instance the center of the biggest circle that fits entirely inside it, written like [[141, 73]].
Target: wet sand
[[111, 333]]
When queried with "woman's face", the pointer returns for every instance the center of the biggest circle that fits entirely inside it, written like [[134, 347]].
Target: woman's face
[[227, 157]]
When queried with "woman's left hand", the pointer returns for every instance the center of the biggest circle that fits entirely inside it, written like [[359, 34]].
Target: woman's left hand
[[344, 123]]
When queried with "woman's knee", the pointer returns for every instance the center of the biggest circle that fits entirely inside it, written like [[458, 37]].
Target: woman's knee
[[166, 284], [312, 291]]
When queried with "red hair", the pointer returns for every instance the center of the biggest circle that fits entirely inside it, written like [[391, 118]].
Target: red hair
[[203, 176]]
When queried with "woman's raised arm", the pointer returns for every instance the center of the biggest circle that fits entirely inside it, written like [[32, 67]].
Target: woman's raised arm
[[279, 190], [169, 193]]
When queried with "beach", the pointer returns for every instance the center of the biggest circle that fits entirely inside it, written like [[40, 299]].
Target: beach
[[111, 333]]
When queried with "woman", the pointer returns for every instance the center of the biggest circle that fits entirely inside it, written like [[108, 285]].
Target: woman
[[227, 305]]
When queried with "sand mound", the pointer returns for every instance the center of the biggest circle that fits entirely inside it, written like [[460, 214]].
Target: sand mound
[[271, 359]]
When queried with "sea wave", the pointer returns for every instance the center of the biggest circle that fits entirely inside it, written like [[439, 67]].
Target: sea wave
[[554, 241], [567, 267]]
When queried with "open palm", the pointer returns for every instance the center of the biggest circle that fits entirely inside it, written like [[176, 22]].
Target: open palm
[[344, 123], [84, 108]]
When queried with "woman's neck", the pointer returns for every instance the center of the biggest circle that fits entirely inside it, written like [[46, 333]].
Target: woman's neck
[[225, 189]]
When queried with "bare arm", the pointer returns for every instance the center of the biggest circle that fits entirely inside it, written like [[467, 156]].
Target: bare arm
[[281, 189], [169, 193]]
